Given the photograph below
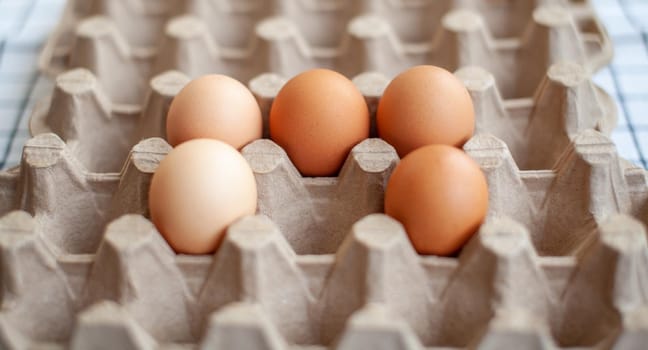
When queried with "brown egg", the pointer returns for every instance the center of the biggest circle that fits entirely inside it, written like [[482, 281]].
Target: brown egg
[[197, 191], [317, 117], [215, 107], [440, 195], [425, 105]]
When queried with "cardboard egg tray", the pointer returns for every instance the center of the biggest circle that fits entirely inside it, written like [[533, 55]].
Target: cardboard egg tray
[[515, 40], [561, 262], [567, 271]]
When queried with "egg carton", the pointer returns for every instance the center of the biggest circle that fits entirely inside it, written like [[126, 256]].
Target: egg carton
[[515, 41], [536, 129], [322, 23], [560, 261]]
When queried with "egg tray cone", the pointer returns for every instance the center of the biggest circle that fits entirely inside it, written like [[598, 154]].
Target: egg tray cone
[[516, 41], [536, 129], [560, 262]]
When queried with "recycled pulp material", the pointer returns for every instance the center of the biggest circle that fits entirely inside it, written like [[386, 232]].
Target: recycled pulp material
[[516, 41], [568, 270]]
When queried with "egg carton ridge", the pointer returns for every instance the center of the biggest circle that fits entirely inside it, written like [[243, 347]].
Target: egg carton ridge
[[323, 23], [135, 289], [71, 204], [562, 206], [368, 41]]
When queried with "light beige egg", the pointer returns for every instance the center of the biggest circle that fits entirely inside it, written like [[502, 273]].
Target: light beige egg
[[199, 189]]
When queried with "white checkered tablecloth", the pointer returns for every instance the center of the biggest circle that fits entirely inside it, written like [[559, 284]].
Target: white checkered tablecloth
[[24, 27], [25, 24]]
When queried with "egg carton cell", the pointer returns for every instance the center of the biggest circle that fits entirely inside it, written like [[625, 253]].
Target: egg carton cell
[[71, 204], [98, 133], [308, 210], [255, 292], [370, 39], [560, 206], [536, 129]]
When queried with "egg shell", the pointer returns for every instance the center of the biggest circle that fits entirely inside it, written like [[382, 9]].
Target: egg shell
[[216, 107], [317, 118], [198, 190], [425, 105], [440, 195]]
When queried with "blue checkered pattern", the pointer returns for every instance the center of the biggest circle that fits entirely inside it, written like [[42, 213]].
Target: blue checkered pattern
[[626, 79], [25, 24]]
